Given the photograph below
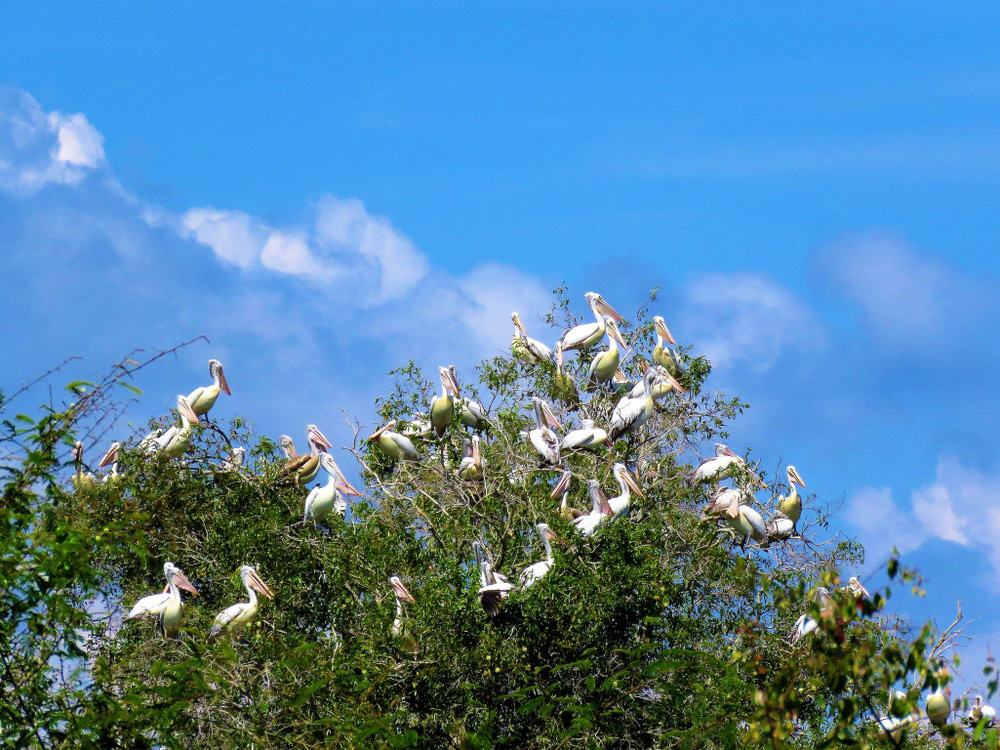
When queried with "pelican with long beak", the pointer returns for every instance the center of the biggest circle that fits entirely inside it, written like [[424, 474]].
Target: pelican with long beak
[[493, 585], [111, 459], [588, 334], [472, 413], [203, 399], [600, 510], [663, 355], [780, 527], [543, 438], [604, 365], [536, 571], [665, 383], [979, 712], [630, 413], [471, 466], [304, 466], [586, 436], [791, 504], [326, 498], [627, 485], [176, 440], [563, 387], [402, 595], [748, 524], [443, 407], [81, 478], [561, 491], [726, 502], [166, 607], [525, 347], [715, 468], [233, 619], [393, 444]]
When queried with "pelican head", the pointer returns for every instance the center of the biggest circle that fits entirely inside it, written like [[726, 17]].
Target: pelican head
[[449, 380], [317, 438], [176, 576], [724, 450], [613, 331], [622, 473], [112, 455], [663, 376], [399, 589], [238, 456], [287, 446], [562, 486], [660, 326], [544, 414], [327, 462], [252, 580], [390, 425], [857, 588], [518, 325], [600, 306], [545, 532], [794, 477], [215, 370], [78, 452], [185, 409]]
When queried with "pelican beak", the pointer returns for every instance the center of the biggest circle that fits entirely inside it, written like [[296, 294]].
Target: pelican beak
[[562, 485], [517, 322], [111, 456], [379, 431], [185, 408], [615, 334], [664, 332], [632, 484], [181, 582], [619, 377], [402, 593], [258, 585], [450, 382], [727, 451], [347, 488], [607, 309], [78, 452], [734, 509], [223, 383], [549, 418], [318, 439], [667, 377], [796, 477]]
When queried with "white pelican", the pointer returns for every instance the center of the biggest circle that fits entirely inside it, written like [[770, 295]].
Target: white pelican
[[713, 469], [472, 462], [857, 588], [938, 706], [588, 334], [895, 726], [665, 383], [326, 498], [780, 527], [233, 619], [304, 466], [726, 502], [586, 436], [979, 712], [418, 426], [561, 491], [202, 399], [543, 438], [235, 460], [402, 595], [81, 478], [176, 440], [166, 607], [749, 524], [472, 413], [537, 571], [493, 586], [627, 485], [564, 387], [791, 504], [663, 355], [443, 407], [631, 413], [526, 347], [604, 365], [807, 624], [600, 510], [393, 444]]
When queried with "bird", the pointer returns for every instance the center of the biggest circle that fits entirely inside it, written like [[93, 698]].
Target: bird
[[561, 491], [305, 466], [857, 588], [81, 478], [471, 466], [665, 383], [713, 469], [588, 334], [780, 527], [326, 498], [981, 712], [586, 436], [630, 413], [525, 347], [110, 458], [600, 510], [807, 624], [748, 524], [791, 504], [443, 406], [938, 706], [167, 606], [627, 485], [563, 386], [418, 426], [203, 399], [176, 440], [536, 571], [543, 438], [663, 355], [493, 585], [235, 460], [233, 619], [604, 365], [393, 444], [726, 502], [402, 595]]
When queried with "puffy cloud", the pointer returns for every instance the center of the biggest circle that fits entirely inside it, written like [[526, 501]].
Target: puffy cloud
[[234, 236]]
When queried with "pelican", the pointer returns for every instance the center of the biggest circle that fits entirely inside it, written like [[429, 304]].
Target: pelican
[[631, 413], [791, 504], [604, 365], [628, 485], [587, 436], [472, 462], [419, 426], [81, 478], [111, 459], [233, 619], [564, 387], [561, 490], [166, 607], [402, 595], [176, 440], [857, 588], [304, 466], [472, 413], [393, 444], [600, 510], [325, 498], [726, 502], [493, 586], [663, 355], [235, 460], [749, 524], [807, 624], [938, 706], [543, 437], [979, 712], [665, 383], [780, 527], [526, 347], [713, 469], [536, 571], [443, 407], [202, 399], [588, 334]]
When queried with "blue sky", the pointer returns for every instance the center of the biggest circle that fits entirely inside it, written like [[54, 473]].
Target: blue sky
[[814, 189]]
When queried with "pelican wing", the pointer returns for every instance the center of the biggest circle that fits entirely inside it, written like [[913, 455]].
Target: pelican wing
[[578, 335], [405, 445], [626, 416], [149, 606], [225, 618], [546, 443]]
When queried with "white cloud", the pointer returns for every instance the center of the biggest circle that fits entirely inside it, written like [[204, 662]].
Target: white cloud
[[79, 142], [288, 252], [234, 236]]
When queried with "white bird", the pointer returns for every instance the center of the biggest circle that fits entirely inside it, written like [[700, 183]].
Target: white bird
[[526, 347], [326, 498], [543, 438], [394, 444], [600, 510], [81, 478], [588, 334], [443, 406], [536, 571], [604, 365], [780, 527], [202, 399], [627, 485], [561, 491], [305, 466], [175, 441], [235, 460], [663, 355], [981, 711], [857, 588], [713, 469], [493, 585], [111, 459], [791, 504], [726, 502], [233, 619], [472, 461], [418, 426], [402, 595], [586, 436], [749, 524], [630, 413], [807, 624], [665, 383], [166, 607]]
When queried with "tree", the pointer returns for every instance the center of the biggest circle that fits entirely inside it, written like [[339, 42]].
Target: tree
[[662, 629]]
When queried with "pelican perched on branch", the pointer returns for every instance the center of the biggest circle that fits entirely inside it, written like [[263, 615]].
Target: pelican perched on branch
[[471, 466], [111, 459], [715, 468], [604, 365], [586, 436], [526, 347], [326, 498], [402, 595], [81, 478], [175, 441], [235, 460], [538, 570], [443, 407], [304, 466], [780, 527], [543, 438], [631, 413], [233, 619], [493, 585], [726, 502], [665, 383], [748, 524], [588, 334], [418, 426], [807, 624], [627, 485], [472, 413], [600, 510], [166, 607], [564, 387], [202, 399], [791, 504], [561, 491], [979, 712], [663, 355], [393, 444]]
